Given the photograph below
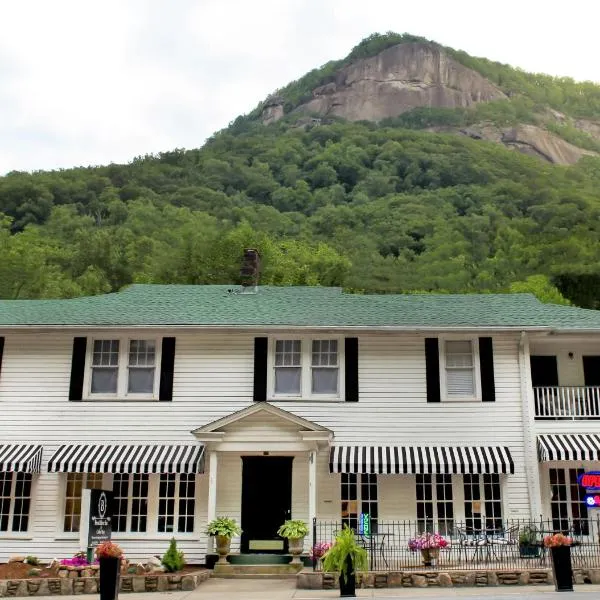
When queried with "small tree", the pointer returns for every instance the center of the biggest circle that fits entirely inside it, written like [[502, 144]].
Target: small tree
[[173, 560]]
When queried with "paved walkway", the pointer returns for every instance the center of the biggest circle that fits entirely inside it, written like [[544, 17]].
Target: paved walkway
[[261, 589]]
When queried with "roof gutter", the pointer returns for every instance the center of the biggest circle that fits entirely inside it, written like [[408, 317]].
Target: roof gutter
[[366, 328]]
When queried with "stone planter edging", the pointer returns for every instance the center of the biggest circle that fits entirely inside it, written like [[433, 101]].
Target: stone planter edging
[[421, 579], [66, 586]]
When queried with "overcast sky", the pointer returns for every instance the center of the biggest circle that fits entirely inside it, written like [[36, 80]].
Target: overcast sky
[[96, 81]]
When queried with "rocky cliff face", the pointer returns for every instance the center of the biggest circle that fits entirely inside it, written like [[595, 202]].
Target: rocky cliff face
[[527, 139], [398, 79]]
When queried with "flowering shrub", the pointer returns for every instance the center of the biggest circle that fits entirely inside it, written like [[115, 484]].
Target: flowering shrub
[[318, 550], [426, 541], [109, 550], [76, 561], [558, 539]]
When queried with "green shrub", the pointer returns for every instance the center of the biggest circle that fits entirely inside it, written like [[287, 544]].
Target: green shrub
[[32, 560], [173, 560]]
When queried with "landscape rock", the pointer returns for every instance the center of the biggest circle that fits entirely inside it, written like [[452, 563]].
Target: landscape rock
[[16, 558], [419, 581], [444, 580], [188, 583], [138, 584]]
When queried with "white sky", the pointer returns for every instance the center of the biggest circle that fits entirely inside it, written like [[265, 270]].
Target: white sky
[[96, 81]]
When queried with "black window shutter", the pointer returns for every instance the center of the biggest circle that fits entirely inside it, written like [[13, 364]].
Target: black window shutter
[[167, 368], [351, 369], [432, 369], [261, 345], [486, 366], [1, 352], [77, 368]]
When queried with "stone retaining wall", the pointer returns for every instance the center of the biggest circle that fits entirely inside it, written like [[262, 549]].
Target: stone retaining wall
[[421, 579], [66, 586]]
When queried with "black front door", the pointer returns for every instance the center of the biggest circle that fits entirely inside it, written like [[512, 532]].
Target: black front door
[[266, 502], [591, 370], [544, 371]]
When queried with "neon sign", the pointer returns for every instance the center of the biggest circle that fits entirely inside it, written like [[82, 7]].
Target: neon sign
[[592, 500], [590, 481]]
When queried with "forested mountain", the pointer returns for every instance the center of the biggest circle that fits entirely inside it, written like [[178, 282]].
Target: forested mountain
[[403, 203]]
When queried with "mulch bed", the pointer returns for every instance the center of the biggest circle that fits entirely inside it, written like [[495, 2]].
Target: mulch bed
[[19, 570]]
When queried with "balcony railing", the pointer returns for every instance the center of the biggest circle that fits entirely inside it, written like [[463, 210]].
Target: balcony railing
[[567, 402]]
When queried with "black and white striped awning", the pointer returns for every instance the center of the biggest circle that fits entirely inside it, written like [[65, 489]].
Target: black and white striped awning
[[128, 459], [421, 459], [568, 446], [20, 458]]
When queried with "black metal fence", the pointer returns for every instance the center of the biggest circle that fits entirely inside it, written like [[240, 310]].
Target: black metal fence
[[506, 544]]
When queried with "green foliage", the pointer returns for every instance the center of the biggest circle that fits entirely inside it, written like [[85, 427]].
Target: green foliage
[[173, 560], [293, 529], [541, 287], [335, 559], [34, 561], [574, 136], [528, 535], [225, 526]]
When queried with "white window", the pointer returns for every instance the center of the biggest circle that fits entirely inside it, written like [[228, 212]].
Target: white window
[[15, 501], [435, 510], [130, 502], [76, 483], [306, 368], [123, 368], [460, 377], [483, 501], [176, 503], [567, 502], [359, 495]]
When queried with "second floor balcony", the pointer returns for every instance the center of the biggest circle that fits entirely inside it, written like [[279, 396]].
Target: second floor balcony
[[567, 402]]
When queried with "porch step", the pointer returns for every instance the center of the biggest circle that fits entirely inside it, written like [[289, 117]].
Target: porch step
[[261, 571]]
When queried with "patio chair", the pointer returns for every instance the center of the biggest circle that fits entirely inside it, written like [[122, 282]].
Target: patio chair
[[471, 540], [504, 539]]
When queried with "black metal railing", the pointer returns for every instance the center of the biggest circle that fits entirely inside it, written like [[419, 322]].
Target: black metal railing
[[508, 544]]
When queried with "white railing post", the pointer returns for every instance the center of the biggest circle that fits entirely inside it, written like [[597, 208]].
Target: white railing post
[[567, 402]]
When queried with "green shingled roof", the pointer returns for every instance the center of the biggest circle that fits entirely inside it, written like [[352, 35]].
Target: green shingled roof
[[225, 305]]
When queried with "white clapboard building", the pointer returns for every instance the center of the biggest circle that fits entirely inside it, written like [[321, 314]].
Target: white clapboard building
[[267, 403]]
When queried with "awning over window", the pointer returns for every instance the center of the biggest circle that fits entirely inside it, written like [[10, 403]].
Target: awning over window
[[128, 459], [568, 446], [20, 458], [420, 459]]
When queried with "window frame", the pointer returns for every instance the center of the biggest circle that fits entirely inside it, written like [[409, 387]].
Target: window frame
[[10, 532], [177, 498], [579, 523], [122, 369], [435, 502], [477, 396], [305, 368], [485, 520], [130, 498], [362, 482]]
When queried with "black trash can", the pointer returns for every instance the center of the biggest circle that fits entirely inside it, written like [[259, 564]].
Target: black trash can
[[110, 575], [562, 568], [348, 586]]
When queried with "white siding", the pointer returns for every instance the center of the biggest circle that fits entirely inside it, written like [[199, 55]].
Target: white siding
[[213, 378]]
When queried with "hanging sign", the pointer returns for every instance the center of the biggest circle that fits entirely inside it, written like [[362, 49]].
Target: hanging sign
[[592, 500]]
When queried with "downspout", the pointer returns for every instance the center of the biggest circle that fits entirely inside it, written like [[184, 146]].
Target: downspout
[[532, 469]]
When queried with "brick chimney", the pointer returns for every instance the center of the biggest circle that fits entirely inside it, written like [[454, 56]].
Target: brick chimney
[[250, 270]]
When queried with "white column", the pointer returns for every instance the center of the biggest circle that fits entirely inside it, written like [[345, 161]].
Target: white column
[[212, 494], [312, 493], [532, 466]]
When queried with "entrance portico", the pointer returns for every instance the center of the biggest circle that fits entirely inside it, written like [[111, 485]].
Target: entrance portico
[[263, 431]]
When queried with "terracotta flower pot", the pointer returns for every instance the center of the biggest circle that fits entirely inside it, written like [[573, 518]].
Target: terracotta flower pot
[[295, 547], [223, 547]]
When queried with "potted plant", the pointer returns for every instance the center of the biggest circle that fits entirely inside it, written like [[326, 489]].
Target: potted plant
[[429, 545], [346, 557], [318, 551], [295, 531], [528, 546], [109, 557], [560, 549], [223, 528]]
